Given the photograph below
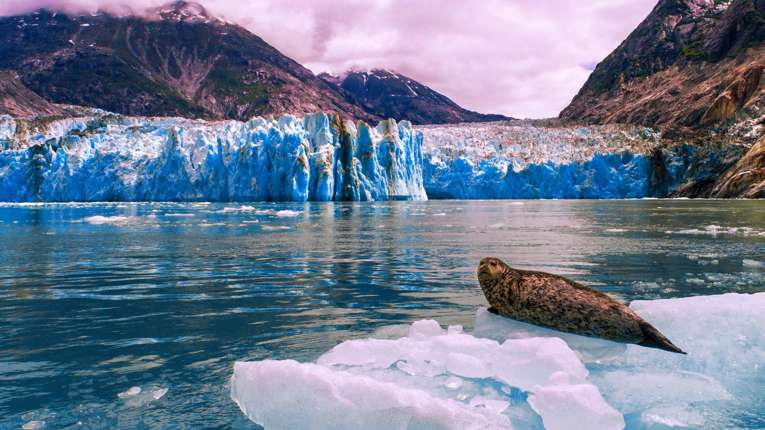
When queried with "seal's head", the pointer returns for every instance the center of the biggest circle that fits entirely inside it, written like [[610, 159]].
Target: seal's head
[[491, 269]]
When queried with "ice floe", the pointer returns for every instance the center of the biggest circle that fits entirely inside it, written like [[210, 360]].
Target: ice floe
[[507, 374], [117, 219]]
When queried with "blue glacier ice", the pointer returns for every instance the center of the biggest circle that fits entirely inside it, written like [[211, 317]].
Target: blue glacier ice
[[114, 158], [604, 176], [526, 160], [106, 157]]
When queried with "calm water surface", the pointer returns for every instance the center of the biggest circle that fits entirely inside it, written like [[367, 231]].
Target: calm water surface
[[98, 298]]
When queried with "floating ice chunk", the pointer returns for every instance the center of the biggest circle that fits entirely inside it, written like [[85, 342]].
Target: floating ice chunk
[[98, 219], [531, 375], [426, 371], [137, 396], [291, 395], [720, 378], [130, 392], [33, 425], [286, 214], [275, 227], [158, 393], [237, 209], [753, 264], [580, 406]]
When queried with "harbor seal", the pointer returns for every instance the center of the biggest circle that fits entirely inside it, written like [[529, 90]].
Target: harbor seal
[[561, 304]]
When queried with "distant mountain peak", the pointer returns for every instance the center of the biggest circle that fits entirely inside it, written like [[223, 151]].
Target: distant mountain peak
[[182, 11], [389, 94]]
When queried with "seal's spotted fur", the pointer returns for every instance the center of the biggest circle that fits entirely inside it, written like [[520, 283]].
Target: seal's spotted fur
[[561, 304]]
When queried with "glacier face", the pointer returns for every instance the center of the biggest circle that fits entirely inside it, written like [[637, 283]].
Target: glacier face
[[104, 157], [525, 160], [115, 158]]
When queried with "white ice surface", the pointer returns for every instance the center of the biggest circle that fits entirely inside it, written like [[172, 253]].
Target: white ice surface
[[507, 374]]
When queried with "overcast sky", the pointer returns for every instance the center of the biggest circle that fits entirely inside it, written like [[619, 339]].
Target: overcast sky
[[524, 58]]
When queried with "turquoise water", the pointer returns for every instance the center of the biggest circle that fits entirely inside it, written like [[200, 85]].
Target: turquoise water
[[98, 298]]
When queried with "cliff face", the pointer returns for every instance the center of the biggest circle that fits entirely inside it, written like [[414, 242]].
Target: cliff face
[[691, 65], [173, 61], [747, 177]]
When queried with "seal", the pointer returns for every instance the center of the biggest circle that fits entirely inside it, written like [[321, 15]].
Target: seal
[[558, 303]]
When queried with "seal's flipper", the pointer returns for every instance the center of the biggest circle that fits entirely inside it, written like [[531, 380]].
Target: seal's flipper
[[652, 338], [493, 310]]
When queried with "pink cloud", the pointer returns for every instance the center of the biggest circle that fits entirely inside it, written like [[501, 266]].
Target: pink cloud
[[525, 58]]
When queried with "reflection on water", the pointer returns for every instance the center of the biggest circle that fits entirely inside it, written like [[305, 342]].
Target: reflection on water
[[99, 298]]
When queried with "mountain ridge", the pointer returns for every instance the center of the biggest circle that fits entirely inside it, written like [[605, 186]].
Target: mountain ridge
[[691, 65], [179, 60], [389, 94]]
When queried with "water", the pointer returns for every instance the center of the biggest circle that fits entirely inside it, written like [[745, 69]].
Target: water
[[98, 298]]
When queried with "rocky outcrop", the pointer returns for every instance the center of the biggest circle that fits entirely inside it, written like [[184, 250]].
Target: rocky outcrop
[[747, 177]]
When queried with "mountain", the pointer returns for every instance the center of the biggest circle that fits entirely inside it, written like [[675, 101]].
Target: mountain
[[690, 65], [17, 100], [389, 94], [175, 60]]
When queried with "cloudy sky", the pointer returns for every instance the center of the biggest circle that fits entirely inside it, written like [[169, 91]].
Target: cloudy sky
[[525, 58]]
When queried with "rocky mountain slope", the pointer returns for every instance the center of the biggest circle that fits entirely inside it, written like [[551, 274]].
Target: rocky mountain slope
[[693, 69], [178, 60], [389, 94], [691, 64], [17, 100], [175, 61]]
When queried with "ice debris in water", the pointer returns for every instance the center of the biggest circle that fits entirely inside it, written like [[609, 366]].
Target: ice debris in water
[[136, 396], [508, 374], [130, 392], [159, 393], [753, 264], [33, 425], [117, 220]]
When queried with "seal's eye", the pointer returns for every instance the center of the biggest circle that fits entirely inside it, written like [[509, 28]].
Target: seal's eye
[[494, 263]]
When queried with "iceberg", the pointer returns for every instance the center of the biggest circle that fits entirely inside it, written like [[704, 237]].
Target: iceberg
[[507, 374], [115, 158]]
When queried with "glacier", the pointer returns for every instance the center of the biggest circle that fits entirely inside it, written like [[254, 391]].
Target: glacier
[[507, 374], [116, 158], [537, 160], [320, 157]]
